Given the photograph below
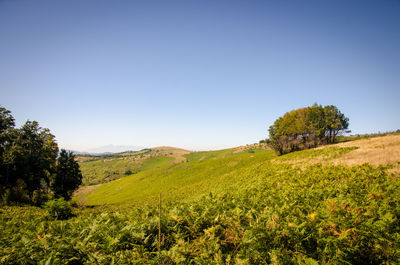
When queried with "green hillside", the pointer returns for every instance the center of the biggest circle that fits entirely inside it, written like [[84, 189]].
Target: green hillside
[[337, 204], [105, 168], [203, 173], [101, 171]]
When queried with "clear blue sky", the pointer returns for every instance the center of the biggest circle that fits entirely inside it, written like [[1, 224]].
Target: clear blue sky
[[195, 74]]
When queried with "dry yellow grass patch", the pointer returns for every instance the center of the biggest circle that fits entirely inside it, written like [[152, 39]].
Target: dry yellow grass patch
[[80, 194], [383, 150], [376, 151], [232, 163], [176, 153]]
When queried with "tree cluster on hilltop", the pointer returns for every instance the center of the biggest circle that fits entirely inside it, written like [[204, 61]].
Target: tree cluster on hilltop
[[306, 128], [30, 164]]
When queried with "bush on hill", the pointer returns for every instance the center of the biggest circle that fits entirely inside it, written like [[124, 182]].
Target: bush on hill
[[58, 209]]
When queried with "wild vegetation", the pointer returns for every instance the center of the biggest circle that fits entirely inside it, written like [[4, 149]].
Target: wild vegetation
[[280, 213]]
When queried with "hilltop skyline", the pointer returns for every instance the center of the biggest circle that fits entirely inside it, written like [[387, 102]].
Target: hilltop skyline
[[195, 75]]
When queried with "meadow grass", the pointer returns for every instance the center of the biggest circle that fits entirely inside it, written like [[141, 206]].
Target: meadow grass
[[100, 171], [206, 155], [182, 181]]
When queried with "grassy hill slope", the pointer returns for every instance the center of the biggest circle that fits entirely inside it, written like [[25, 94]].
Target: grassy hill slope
[[221, 170], [105, 168], [184, 180]]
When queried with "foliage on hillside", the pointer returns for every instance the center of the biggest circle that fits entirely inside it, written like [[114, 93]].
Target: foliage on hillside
[[285, 215], [29, 163], [67, 177], [306, 128]]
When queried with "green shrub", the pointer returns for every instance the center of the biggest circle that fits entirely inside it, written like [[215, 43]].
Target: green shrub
[[39, 197], [6, 196], [59, 209], [17, 194], [128, 172], [20, 192]]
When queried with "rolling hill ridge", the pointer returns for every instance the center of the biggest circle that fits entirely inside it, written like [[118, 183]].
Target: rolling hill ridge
[[180, 174]]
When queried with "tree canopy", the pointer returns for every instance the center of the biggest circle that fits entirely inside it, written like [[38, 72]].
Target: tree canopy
[[68, 176], [28, 161], [307, 127]]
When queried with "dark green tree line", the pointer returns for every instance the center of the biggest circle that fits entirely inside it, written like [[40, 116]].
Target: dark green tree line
[[306, 128], [68, 176], [28, 162]]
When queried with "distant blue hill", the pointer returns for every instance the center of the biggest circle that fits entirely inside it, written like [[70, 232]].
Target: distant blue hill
[[108, 149]]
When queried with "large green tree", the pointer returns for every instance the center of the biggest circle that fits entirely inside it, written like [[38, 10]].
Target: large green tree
[[335, 122], [6, 119], [30, 163], [307, 127], [7, 124], [30, 156], [67, 177]]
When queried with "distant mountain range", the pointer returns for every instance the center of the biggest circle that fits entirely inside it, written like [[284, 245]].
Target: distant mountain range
[[109, 149]]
